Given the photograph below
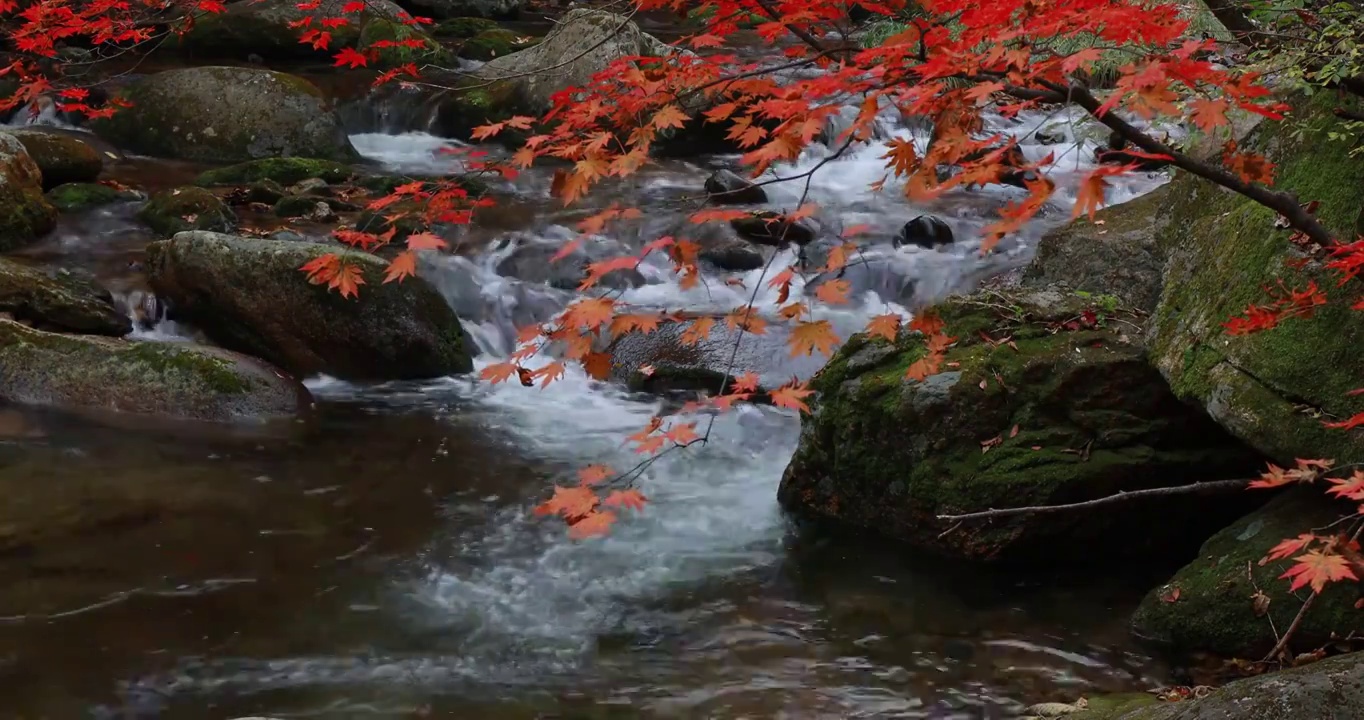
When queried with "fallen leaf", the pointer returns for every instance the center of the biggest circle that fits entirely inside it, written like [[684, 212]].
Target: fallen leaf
[[1013, 432], [1259, 602], [985, 445], [1170, 595], [982, 384]]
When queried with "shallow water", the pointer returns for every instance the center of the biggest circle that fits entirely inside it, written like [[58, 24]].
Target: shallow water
[[383, 562]]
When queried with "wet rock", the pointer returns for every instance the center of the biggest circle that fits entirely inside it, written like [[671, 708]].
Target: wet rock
[[283, 170], [531, 261], [267, 192], [1073, 413], [495, 43], [185, 114], [382, 30], [187, 208], [770, 228], [1216, 611], [75, 197], [926, 231], [1050, 135], [59, 300], [309, 186], [464, 9], [25, 215], [1330, 689], [733, 256], [462, 27], [164, 380], [262, 29], [321, 212], [61, 158], [249, 295], [308, 206], [728, 188], [888, 275]]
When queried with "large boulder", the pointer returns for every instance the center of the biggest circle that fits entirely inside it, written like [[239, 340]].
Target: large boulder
[[227, 114], [186, 208], [1273, 389], [1331, 689], [61, 158], [1210, 605], [262, 27], [59, 300], [1066, 410], [250, 295], [168, 381], [25, 215]]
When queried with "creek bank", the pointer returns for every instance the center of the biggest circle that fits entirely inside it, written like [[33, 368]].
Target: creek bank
[[249, 295]]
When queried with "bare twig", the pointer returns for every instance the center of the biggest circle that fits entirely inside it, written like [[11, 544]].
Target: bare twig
[[1192, 489]]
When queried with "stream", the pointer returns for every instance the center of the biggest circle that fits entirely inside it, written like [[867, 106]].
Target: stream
[[384, 562]]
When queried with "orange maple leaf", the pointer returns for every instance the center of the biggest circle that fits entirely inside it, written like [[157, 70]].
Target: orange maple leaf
[[597, 522], [925, 366], [682, 433], [589, 313], [834, 292], [670, 116], [886, 326], [570, 502], [629, 498], [597, 365], [1288, 547], [499, 372], [593, 474], [697, 330], [807, 337], [1351, 488], [927, 322], [1317, 569], [550, 372], [792, 397], [403, 265]]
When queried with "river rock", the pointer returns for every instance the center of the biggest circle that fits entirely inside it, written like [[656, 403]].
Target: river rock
[[25, 215], [59, 300], [1074, 413], [531, 260], [249, 295], [186, 208], [926, 231], [765, 227], [500, 9], [284, 170], [165, 380], [74, 197], [1215, 608], [727, 187], [494, 43], [1330, 689], [227, 114], [61, 157], [1223, 251], [262, 28], [462, 27], [381, 30]]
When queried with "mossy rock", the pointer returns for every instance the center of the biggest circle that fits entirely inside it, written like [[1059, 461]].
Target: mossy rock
[[262, 28], [61, 158], [382, 29], [1272, 389], [1112, 707], [1215, 612], [74, 197], [1061, 414], [59, 300], [283, 170], [495, 43], [25, 215], [249, 295], [227, 115], [186, 208], [164, 380], [463, 27]]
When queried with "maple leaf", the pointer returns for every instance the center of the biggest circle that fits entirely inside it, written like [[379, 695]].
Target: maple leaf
[[925, 366], [807, 337], [403, 265], [1090, 196], [570, 502], [670, 116], [589, 313], [682, 434], [792, 397], [1351, 488], [1288, 547], [1209, 114], [1316, 569], [697, 330], [425, 241], [630, 498], [927, 322], [597, 365], [594, 474], [746, 383], [351, 58], [834, 292], [499, 372], [597, 522], [628, 322], [886, 326], [551, 372]]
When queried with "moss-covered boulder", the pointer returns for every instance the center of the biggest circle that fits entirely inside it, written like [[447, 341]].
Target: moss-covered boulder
[[494, 43], [283, 170], [263, 28], [1272, 389], [1068, 410], [1331, 689], [74, 197], [25, 215], [59, 300], [1214, 609], [61, 158], [227, 114], [186, 208], [1111, 707], [462, 27], [380, 29], [165, 380], [501, 9], [249, 295]]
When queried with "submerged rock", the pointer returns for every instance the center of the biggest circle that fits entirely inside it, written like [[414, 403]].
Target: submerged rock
[[25, 215], [227, 114], [282, 170], [59, 300], [765, 227], [164, 380], [187, 208], [249, 295], [1215, 610], [727, 187], [61, 158], [74, 197], [532, 261], [1074, 413], [925, 231]]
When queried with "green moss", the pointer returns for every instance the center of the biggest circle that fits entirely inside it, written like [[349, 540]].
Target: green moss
[[381, 29], [490, 44], [285, 171], [61, 158], [1112, 707], [215, 372], [72, 197], [463, 27], [25, 215], [186, 208]]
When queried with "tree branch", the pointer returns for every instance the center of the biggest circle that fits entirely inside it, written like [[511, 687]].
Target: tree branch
[[1193, 489]]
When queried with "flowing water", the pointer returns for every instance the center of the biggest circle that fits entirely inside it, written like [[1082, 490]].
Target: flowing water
[[383, 562]]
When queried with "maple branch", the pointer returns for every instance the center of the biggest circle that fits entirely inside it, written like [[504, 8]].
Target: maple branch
[[1281, 202], [1191, 489], [1282, 645], [805, 37]]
